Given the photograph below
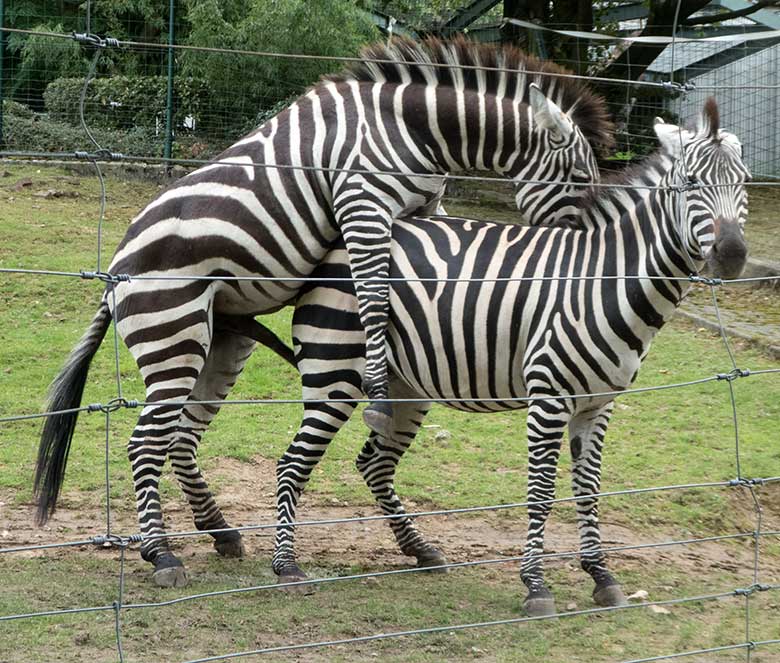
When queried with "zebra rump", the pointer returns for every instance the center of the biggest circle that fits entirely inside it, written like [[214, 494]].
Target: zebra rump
[[67, 389]]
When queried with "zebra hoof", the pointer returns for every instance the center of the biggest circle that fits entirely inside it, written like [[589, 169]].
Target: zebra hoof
[[173, 576], [379, 418], [293, 574], [539, 604], [230, 545], [432, 558], [609, 596]]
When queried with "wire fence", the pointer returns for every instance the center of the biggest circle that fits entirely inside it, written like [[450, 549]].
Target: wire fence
[[125, 541]]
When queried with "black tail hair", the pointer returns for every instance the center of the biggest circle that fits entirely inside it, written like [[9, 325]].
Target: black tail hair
[[65, 394]]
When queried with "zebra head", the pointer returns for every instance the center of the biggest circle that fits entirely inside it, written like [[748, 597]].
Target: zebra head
[[559, 164], [713, 210]]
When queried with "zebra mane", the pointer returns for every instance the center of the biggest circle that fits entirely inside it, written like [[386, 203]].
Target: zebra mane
[[411, 62], [646, 172]]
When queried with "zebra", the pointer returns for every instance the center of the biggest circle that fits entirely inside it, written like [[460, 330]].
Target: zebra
[[551, 339], [516, 116]]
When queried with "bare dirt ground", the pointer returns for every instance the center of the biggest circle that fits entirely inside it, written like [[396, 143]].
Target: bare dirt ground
[[247, 498]]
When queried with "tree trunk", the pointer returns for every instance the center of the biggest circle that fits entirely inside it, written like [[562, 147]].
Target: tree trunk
[[572, 15], [526, 10]]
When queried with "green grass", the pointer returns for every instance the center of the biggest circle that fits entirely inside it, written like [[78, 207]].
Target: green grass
[[657, 438], [260, 619]]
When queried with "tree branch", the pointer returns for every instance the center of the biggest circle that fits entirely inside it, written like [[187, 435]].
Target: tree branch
[[634, 60], [725, 16]]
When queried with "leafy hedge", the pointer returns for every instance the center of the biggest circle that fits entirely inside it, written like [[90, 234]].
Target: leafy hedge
[[25, 130], [125, 102]]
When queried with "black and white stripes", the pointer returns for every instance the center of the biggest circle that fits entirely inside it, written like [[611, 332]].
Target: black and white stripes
[[244, 216], [576, 317]]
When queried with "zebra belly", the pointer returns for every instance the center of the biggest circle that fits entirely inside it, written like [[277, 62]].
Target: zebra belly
[[327, 317]]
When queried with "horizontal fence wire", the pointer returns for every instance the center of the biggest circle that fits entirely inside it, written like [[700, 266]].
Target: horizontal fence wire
[[123, 543], [103, 42], [463, 627], [110, 278], [120, 403], [139, 538], [6, 155], [312, 582], [117, 278], [747, 646], [326, 58]]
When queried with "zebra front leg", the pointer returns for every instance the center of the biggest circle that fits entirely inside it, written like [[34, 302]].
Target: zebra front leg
[[367, 239], [226, 359], [546, 423], [586, 435], [377, 463], [321, 422]]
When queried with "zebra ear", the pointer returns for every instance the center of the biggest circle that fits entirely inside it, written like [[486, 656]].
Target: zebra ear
[[710, 118], [548, 116], [672, 137]]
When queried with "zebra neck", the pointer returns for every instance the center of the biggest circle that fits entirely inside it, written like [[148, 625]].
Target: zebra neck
[[638, 228], [465, 130]]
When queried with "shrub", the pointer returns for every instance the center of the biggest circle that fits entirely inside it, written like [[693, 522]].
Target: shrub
[[25, 130], [124, 102]]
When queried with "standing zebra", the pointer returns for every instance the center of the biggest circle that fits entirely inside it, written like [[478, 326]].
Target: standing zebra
[[596, 291], [232, 219]]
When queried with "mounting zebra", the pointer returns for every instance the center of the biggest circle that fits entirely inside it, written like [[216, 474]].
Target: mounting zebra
[[233, 218], [588, 298]]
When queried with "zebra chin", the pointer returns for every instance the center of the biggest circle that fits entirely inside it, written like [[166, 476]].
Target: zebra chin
[[728, 254]]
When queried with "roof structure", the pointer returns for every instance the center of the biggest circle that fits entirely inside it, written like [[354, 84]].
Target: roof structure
[[694, 58]]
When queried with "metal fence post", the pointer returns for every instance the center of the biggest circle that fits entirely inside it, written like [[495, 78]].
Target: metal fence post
[[2, 54], [169, 102]]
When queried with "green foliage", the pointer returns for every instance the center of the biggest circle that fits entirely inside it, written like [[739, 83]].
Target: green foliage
[[420, 15], [15, 108], [124, 102], [43, 59], [628, 155], [322, 27], [26, 130]]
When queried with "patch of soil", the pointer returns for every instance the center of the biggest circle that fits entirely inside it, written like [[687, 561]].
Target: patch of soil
[[247, 498]]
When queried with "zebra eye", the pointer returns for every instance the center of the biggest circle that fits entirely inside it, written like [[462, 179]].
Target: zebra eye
[[557, 143]]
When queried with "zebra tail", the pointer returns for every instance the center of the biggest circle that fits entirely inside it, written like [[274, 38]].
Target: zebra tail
[[65, 394]]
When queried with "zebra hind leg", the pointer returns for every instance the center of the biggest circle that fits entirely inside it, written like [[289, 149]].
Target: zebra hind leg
[[586, 434], [170, 357], [227, 356], [147, 453], [377, 463]]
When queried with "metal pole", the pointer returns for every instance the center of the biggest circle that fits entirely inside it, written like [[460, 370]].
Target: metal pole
[[169, 103], [2, 54]]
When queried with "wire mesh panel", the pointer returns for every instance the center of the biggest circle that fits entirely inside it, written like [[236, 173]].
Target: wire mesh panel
[[748, 94], [125, 114]]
